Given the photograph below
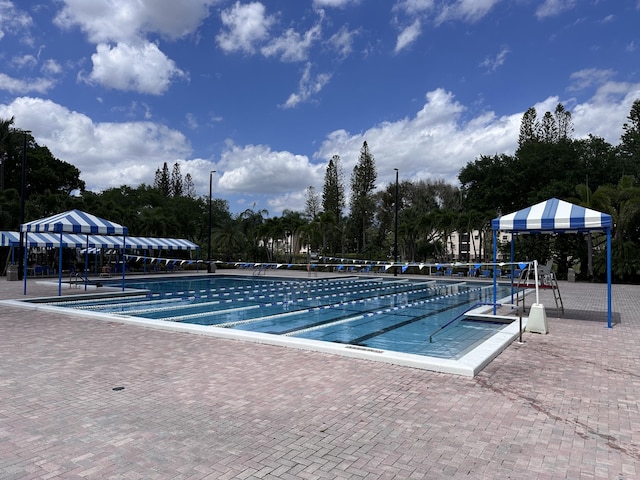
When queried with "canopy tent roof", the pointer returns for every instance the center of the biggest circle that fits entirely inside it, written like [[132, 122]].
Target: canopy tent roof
[[74, 240], [553, 216], [74, 221]]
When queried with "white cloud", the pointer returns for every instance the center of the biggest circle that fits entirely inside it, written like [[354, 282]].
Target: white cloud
[[51, 67], [14, 21], [604, 114], [334, 3], [409, 35], [291, 46], [22, 86], [124, 20], [437, 141], [245, 26], [24, 61], [588, 77], [492, 63], [466, 10], [192, 121], [258, 169], [413, 7], [342, 41], [107, 154], [309, 85], [552, 8], [143, 68]]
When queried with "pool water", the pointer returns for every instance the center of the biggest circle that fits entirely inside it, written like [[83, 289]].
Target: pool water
[[381, 313]]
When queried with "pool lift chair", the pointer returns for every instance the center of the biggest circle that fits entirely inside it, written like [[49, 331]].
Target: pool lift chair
[[546, 279]]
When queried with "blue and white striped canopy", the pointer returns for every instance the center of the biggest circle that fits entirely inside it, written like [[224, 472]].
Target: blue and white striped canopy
[[72, 240], [553, 216], [74, 221]]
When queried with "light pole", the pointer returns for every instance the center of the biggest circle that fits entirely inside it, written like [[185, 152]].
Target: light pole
[[23, 190], [395, 236], [210, 195]]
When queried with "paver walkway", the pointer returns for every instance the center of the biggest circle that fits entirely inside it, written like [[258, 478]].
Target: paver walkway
[[558, 406]]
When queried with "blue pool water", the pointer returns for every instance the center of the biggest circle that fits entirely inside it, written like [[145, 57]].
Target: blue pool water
[[381, 313]]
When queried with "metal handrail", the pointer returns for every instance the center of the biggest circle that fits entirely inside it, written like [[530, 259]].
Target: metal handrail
[[77, 277], [480, 304], [475, 305]]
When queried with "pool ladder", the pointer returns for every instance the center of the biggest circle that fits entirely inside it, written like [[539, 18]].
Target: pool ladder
[[77, 277]]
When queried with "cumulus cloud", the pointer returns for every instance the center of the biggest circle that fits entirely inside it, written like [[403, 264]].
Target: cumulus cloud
[[142, 68], [434, 142], [440, 138], [244, 27], [107, 154], [21, 86], [123, 20], [309, 85], [256, 168]]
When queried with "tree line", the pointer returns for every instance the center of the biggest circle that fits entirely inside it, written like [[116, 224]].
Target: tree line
[[548, 163]]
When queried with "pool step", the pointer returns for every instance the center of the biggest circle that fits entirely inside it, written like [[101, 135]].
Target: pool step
[[484, 317]]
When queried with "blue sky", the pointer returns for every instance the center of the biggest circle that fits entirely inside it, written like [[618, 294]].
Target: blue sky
[[265, 93]]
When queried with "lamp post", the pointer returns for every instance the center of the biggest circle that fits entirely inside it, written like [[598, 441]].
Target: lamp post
[[209, 244], [23, 190], [395, 236]]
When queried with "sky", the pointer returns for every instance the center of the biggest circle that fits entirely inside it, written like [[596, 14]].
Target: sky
[[264, 93]]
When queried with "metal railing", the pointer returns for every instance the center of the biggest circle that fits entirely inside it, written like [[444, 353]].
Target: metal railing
[[474, 306]]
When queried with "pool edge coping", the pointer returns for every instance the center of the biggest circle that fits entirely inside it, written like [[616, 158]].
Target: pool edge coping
[[468, 365]]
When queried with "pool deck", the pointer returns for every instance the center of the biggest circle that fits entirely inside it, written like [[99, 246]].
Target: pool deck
[[558, 406]]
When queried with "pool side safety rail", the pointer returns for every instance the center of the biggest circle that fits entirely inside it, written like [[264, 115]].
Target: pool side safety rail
[[481, 304]]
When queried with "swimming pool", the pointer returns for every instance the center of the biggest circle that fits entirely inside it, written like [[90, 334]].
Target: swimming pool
[[379, 313]]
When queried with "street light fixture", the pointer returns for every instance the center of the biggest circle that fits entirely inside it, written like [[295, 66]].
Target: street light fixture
[[210, 195], [395, 236]]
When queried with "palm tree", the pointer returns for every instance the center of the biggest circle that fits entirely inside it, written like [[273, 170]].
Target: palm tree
[[228, 239], [624, 207]]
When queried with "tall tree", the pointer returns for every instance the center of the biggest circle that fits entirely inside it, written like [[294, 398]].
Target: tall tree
[[528, 127], [333, 191], [563, 122], [189, 187], [363, 181], [630, 145], [162, 181], [548, 129], [176, 181], [312, 202]]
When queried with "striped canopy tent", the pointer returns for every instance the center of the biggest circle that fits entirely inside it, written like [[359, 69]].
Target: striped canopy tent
[[73, 221], [75, 240], [556, 216]]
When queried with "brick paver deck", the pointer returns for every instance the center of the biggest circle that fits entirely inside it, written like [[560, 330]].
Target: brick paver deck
[[558, 406]]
